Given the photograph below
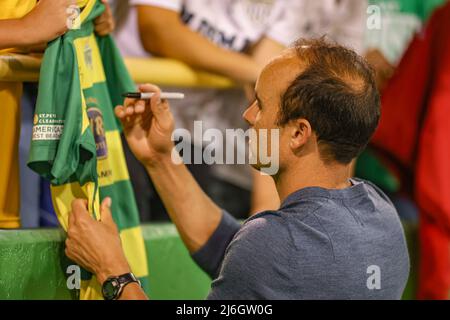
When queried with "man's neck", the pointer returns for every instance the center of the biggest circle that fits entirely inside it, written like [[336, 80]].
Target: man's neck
[[309, 174]]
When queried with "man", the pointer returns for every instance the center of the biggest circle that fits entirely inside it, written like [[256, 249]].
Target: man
[[332, 238]]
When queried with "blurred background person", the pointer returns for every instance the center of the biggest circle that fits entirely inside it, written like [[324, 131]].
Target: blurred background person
[[23, 26], [412, 139], [385, 44], [232, 38], [399, 20]]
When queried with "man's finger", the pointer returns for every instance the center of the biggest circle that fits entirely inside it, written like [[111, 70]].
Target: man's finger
[[161, 110], [129, 111], [81, 212], [68, 248], [72, 220], [139, 107], [105, 211], [129, 102], [120, 112], [103, 28], [147, 87], [79, 206]]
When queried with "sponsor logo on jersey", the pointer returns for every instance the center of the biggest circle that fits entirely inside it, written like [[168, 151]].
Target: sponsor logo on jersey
[[47, 126], [96, 120]]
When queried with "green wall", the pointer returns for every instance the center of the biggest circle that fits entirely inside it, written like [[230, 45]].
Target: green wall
[[32, 265]]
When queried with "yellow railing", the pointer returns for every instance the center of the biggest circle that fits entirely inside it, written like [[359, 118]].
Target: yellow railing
[[164, 72]]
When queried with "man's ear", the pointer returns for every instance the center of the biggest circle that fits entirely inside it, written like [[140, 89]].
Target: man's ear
[[300, 133]]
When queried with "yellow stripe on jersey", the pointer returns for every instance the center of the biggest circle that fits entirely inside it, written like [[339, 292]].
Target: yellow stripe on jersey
[[89, 65], [87, 6], [113, 168], [134, 248], [63, 196], [90, 289]]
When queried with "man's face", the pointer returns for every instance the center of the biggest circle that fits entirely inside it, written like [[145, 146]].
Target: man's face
[[270, 143]]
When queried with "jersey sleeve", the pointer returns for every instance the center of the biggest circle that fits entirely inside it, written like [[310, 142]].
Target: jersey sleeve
[[174, 5], [62, 146]]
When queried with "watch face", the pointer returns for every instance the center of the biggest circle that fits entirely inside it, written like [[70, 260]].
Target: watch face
[[110, 289]]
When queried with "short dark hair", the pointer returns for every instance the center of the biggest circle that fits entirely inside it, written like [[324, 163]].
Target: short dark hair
[[337, 94]]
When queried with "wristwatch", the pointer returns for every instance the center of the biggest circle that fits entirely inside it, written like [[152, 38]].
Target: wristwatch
[[112, 288]]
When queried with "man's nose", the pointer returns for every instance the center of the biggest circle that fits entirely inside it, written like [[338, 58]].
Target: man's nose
[[249, 115]]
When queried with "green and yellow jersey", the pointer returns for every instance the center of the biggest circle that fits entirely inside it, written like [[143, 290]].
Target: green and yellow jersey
[[76, 139]]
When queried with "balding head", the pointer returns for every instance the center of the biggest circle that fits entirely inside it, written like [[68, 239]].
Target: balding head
[[335, 90]]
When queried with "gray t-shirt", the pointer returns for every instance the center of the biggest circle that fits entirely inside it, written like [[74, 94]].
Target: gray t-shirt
[[320, 244]]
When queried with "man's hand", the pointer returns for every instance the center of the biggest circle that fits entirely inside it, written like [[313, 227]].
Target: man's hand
[[95, 245], [104, 24], [148, 126], [47, 21]]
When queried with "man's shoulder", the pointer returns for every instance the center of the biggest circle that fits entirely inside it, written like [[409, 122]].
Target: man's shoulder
[[264, 222], [262, 228], [375, 193], [262, 242]]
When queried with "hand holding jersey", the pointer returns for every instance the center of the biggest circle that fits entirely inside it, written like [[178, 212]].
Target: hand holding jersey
[[104, 247]]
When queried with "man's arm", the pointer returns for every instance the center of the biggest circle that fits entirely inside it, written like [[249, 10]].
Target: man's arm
[[47, 21], [195, 215], [164, 34], [148, 128]]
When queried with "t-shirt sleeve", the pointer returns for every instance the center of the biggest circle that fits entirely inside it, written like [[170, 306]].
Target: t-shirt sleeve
[[210, 256], [174, 5], [256, 264], [62, 145]]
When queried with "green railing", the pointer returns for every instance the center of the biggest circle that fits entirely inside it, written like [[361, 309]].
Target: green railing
[[33, 265]]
